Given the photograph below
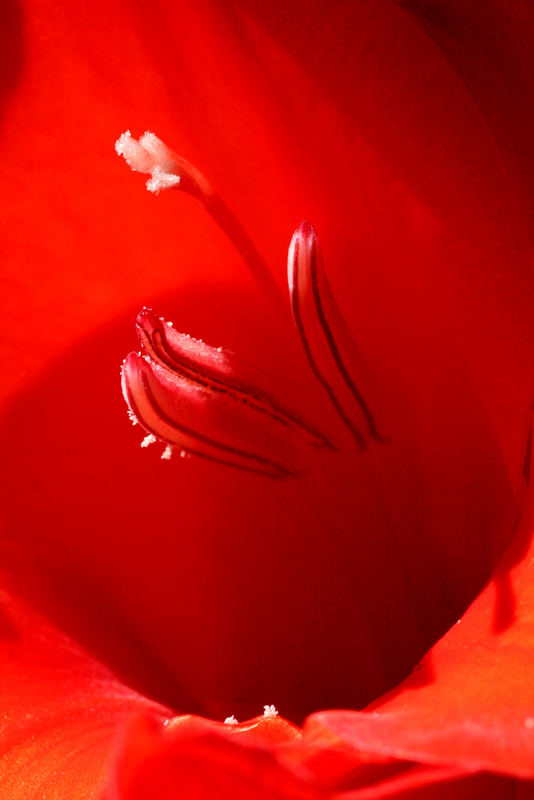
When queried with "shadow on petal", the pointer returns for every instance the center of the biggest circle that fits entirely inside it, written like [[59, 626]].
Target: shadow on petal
[[214, 591], [11, 47]]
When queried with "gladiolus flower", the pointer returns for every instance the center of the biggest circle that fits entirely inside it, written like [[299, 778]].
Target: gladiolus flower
[[353, 481]]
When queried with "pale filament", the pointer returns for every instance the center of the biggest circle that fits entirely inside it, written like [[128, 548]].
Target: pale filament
[[168, 170]]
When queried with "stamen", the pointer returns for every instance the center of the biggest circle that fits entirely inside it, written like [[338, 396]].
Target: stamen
[[316, 314], [168, 170], [180, 413], [231, 721], [150, 439], [210, 367], [270, 711]]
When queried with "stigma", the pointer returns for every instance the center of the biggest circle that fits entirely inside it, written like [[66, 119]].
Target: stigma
[[168, 170], [150, 156]]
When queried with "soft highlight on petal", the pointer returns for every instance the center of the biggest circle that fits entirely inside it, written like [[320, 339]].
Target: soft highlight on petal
[[61, 711]]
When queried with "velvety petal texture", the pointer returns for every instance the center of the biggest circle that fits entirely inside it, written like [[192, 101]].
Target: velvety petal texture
[[61, 711], [426, 256], [267, 758], [471, 700], [212, 590]]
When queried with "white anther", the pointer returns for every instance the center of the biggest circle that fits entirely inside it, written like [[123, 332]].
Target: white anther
[[270, 711], [150, 439], [231, 721]]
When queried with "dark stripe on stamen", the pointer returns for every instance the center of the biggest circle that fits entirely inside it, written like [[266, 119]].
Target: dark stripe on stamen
[[295, 308], [237, 392], [334, 350], [270, 468]]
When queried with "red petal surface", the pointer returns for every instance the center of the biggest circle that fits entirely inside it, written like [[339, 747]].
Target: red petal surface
[[60, 711], [471, 700], [197, 758], [219, 590]]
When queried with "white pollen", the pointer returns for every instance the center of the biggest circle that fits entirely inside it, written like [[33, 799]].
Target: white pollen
[[270, 711], [150, 439], [183, 454], [133, 419], [231, 721], [167, 453]]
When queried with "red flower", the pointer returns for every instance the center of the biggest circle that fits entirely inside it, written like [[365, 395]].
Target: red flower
[[402, 132]]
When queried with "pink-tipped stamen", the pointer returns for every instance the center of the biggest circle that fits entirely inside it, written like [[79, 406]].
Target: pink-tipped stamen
[[310, 295]]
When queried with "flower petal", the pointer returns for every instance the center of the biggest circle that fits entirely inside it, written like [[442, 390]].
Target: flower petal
[[471, 701], [199, 763], [199, 759], [385, 150], [60, 711]]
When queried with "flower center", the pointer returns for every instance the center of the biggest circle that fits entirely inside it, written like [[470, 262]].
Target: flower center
[[184, 393], [200, 400]]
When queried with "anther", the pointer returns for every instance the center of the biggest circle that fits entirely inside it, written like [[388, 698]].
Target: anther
[[211, 368], [324, 334], [199, 421], [185, 394]]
